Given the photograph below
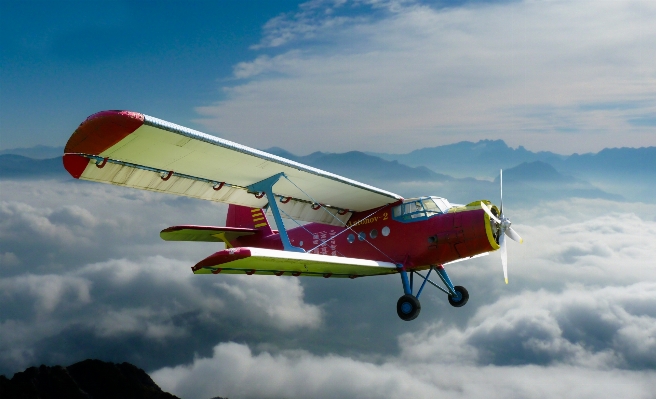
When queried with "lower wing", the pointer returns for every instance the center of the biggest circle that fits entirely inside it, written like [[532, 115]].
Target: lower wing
[[247, 260]]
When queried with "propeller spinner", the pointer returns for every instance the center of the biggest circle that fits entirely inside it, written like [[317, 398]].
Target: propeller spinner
[[505, 228]]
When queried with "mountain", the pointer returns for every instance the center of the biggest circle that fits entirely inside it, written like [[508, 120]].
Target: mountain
[[529, 181], [536, 172], [363, 167], [36, 152], [481, 159], [485, 157], [625, 172], [21, 167], [88, 379], [535, 181], [633, 163]]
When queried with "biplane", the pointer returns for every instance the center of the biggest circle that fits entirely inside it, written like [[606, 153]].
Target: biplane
[[345, 229]]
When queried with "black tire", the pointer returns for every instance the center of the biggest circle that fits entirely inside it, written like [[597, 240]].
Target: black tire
[[408, 307], [464, 297]]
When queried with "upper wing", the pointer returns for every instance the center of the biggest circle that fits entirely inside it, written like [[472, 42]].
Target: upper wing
[[136, 150], [245, 260]]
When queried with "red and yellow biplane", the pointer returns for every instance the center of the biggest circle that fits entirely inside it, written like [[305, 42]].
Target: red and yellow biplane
[[354, 230]]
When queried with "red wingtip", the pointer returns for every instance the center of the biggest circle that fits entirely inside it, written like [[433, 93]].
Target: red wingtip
[[75, 164], [221, 257], [102, 130]]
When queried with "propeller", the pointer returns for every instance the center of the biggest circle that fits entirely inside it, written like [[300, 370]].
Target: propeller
[[505, 228]]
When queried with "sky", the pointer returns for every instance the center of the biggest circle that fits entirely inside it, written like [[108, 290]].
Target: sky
[[84, 274], [369, 75]]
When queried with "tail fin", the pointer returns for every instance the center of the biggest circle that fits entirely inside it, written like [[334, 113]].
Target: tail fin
[[250, 218]]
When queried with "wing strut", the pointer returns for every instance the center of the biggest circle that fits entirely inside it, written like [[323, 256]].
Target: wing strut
[[266, 186]]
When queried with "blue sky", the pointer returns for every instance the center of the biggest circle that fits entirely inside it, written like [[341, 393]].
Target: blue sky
[[376, 75], [62, 60]]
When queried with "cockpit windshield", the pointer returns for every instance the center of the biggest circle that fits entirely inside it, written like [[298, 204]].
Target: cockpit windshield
[[420, 208]]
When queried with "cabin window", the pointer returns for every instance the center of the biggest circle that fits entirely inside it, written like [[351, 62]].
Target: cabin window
[[385, 231], [373, 233], [350, 238], [362, 236], [420, 208]]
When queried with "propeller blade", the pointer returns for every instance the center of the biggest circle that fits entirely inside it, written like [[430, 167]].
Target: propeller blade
[[489, 212], [501, 189], [504, 256], [513, 235]]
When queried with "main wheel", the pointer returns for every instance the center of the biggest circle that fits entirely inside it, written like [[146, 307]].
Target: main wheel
[[408, 307], [461, 299]]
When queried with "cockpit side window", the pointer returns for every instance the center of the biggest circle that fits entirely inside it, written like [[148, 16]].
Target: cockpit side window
[[443, 204], [420, 208], [431, 207]]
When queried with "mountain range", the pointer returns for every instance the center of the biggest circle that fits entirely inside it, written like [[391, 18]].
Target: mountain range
[[464, 171], [484, 158], [88, 379]]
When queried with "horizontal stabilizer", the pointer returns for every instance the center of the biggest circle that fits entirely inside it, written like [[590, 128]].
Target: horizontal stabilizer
[[204, 233], [247, 260]]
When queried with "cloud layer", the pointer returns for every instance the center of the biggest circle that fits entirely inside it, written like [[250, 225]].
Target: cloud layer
[[94, 280], [585, 339], [83, 274]]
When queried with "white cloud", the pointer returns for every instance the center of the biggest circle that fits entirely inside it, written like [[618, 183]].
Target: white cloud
[[277, 300], [151, 299], [601, 328], [410, 76], [584, 338], [579, 309], [235, 371], [84, 263]]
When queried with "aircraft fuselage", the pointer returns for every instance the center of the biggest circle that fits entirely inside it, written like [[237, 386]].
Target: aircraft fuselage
[[435, 240]]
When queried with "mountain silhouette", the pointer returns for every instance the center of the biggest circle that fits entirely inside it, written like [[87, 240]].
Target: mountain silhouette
[[36, 152], [537, 172], [483, 158], [364, 167], [88, 379], [18, 166]]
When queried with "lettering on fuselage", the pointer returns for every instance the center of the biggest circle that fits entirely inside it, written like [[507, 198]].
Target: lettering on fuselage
[[329, 247], [369, 220]]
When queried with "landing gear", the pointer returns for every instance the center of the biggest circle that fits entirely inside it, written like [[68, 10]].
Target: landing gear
[[408, 307], [461, 299]]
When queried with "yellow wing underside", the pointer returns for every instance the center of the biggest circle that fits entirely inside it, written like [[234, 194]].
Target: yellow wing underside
[[275, 262]]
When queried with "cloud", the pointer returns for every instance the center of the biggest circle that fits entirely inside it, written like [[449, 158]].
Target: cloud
[[602, 328], [579, 307], [155, 299], [58, 226], [276, 300], [396, 76], [235, 370], [580, 337], [85, 274]]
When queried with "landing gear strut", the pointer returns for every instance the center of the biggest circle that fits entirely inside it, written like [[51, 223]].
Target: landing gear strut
[[408, 306]]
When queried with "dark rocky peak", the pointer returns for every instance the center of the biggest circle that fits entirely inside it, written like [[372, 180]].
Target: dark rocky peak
[[88, 379]]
